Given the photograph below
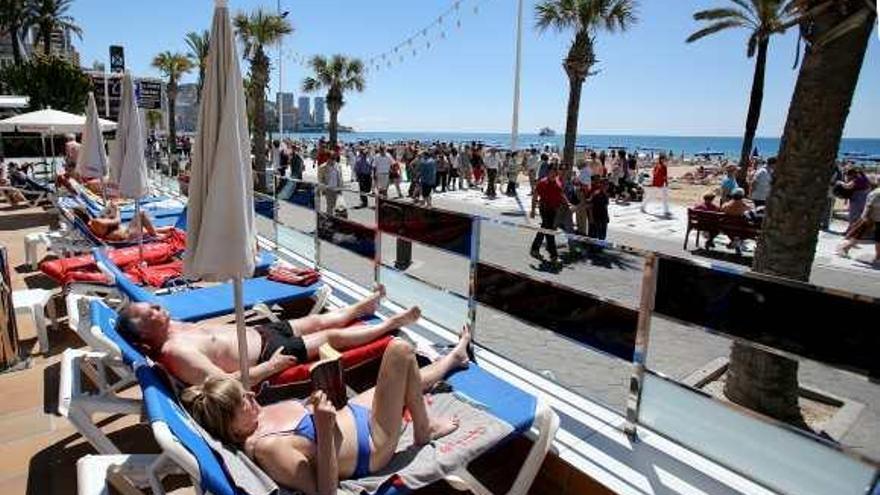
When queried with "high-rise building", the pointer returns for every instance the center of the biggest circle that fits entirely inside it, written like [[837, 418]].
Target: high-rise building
[[304, 112], [319, 111], [288, 109]]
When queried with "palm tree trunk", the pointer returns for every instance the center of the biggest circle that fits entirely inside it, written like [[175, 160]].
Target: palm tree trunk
[[754, 115], [14, 33], [816, 118], [172, 125], [333, 126], [260, 71], [575, 85], [47, 40]]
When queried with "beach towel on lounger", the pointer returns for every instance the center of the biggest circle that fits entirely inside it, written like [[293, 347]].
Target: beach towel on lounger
[[417, 467]]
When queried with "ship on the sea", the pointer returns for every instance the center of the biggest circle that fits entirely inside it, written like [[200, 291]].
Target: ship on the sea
[[546, 132]]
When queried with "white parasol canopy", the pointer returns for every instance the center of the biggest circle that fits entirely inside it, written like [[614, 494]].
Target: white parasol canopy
[[92, 159], [128, 165], [221, 240], [50, 122]]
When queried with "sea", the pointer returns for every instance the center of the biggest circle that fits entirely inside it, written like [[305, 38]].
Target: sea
[[689, 146]]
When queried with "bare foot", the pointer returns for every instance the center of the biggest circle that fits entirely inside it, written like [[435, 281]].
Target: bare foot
[[370, 305], [440, 427], [409, 316], [459, 354]]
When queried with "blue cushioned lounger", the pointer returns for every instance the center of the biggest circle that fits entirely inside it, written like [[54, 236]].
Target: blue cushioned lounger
[[166, 415], [181, 442], [207, 302]]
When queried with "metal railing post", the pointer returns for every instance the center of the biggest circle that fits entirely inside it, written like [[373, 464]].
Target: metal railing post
[[640, 355], [472, 276], [317, 226], [377, 241]]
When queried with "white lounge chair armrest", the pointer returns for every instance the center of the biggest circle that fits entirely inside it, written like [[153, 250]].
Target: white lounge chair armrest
[[94, 472]]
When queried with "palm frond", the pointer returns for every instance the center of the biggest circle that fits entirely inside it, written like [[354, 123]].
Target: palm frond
[[311, 85], [555, 14], [712, 29], [752, 44]]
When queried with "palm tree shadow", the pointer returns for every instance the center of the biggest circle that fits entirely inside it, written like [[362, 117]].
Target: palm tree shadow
[[602, 258]]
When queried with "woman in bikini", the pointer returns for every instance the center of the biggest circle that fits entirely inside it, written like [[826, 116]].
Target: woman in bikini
[[310, 446]]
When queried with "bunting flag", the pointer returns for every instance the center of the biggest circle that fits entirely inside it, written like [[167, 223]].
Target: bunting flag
[[426, 37]]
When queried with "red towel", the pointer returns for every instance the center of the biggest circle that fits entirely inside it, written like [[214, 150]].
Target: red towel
[[293, 276]]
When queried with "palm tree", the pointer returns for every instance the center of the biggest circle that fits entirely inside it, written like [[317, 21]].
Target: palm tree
[[336, 75], [154, 119], [837, 33], [173, 66], [585, 18], [50, 15], [14, 19], [763, 18], [198, 44], [258, 31]]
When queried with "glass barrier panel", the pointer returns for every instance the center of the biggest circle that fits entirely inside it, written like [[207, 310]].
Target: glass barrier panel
[[296, 193], [296, 241], [348, 235], [443, 307], [431, 226], [786, 315], [773, 456], [602, 325]]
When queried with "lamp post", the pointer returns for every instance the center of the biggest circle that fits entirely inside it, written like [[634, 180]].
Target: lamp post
[[514, 129]]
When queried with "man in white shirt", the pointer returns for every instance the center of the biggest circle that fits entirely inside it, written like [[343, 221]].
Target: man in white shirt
[[532, 163], [382, 166], [760, 185], [332, 178]]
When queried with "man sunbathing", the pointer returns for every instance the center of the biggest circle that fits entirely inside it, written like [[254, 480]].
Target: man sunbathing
[[193, 352], [311, 449], [109, 225]]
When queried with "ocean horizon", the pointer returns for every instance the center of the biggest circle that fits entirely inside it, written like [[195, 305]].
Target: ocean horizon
[[679, 145]]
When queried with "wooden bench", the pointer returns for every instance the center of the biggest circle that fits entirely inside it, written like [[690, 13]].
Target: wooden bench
[[734, 227]]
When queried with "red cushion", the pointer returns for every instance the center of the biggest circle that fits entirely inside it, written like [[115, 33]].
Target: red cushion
[[350, 359], [83, 268]]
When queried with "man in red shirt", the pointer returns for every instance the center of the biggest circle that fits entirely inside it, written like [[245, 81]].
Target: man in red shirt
[[549, 197], [659, 183]]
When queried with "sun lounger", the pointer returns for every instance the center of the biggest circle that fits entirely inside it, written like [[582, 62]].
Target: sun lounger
[[182, 444], [33, 197], [207, 302]]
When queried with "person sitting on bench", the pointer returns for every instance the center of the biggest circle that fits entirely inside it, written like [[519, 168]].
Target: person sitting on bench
[[311, 449], [193, 352], [109, 225]]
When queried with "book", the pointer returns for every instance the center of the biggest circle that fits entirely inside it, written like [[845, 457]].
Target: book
[[326, 375]]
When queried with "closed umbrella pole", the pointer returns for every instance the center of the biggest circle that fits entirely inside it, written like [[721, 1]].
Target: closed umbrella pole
[[221, 238], [128, 165]]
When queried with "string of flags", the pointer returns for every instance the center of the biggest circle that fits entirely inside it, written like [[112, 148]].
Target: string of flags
[[439, 29]]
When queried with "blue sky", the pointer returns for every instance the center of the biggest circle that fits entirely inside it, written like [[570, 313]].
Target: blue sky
[[650, 81]]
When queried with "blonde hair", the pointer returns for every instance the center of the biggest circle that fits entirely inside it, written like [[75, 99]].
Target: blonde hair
[[213, 405]]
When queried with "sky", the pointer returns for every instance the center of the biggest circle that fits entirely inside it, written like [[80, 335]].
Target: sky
[[649, 80]]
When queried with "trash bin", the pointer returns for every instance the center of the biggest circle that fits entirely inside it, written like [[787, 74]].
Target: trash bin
[[404, 254]]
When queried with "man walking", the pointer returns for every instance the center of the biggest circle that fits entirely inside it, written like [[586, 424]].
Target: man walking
[[549, 197], [363, 170], [659, 184]]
